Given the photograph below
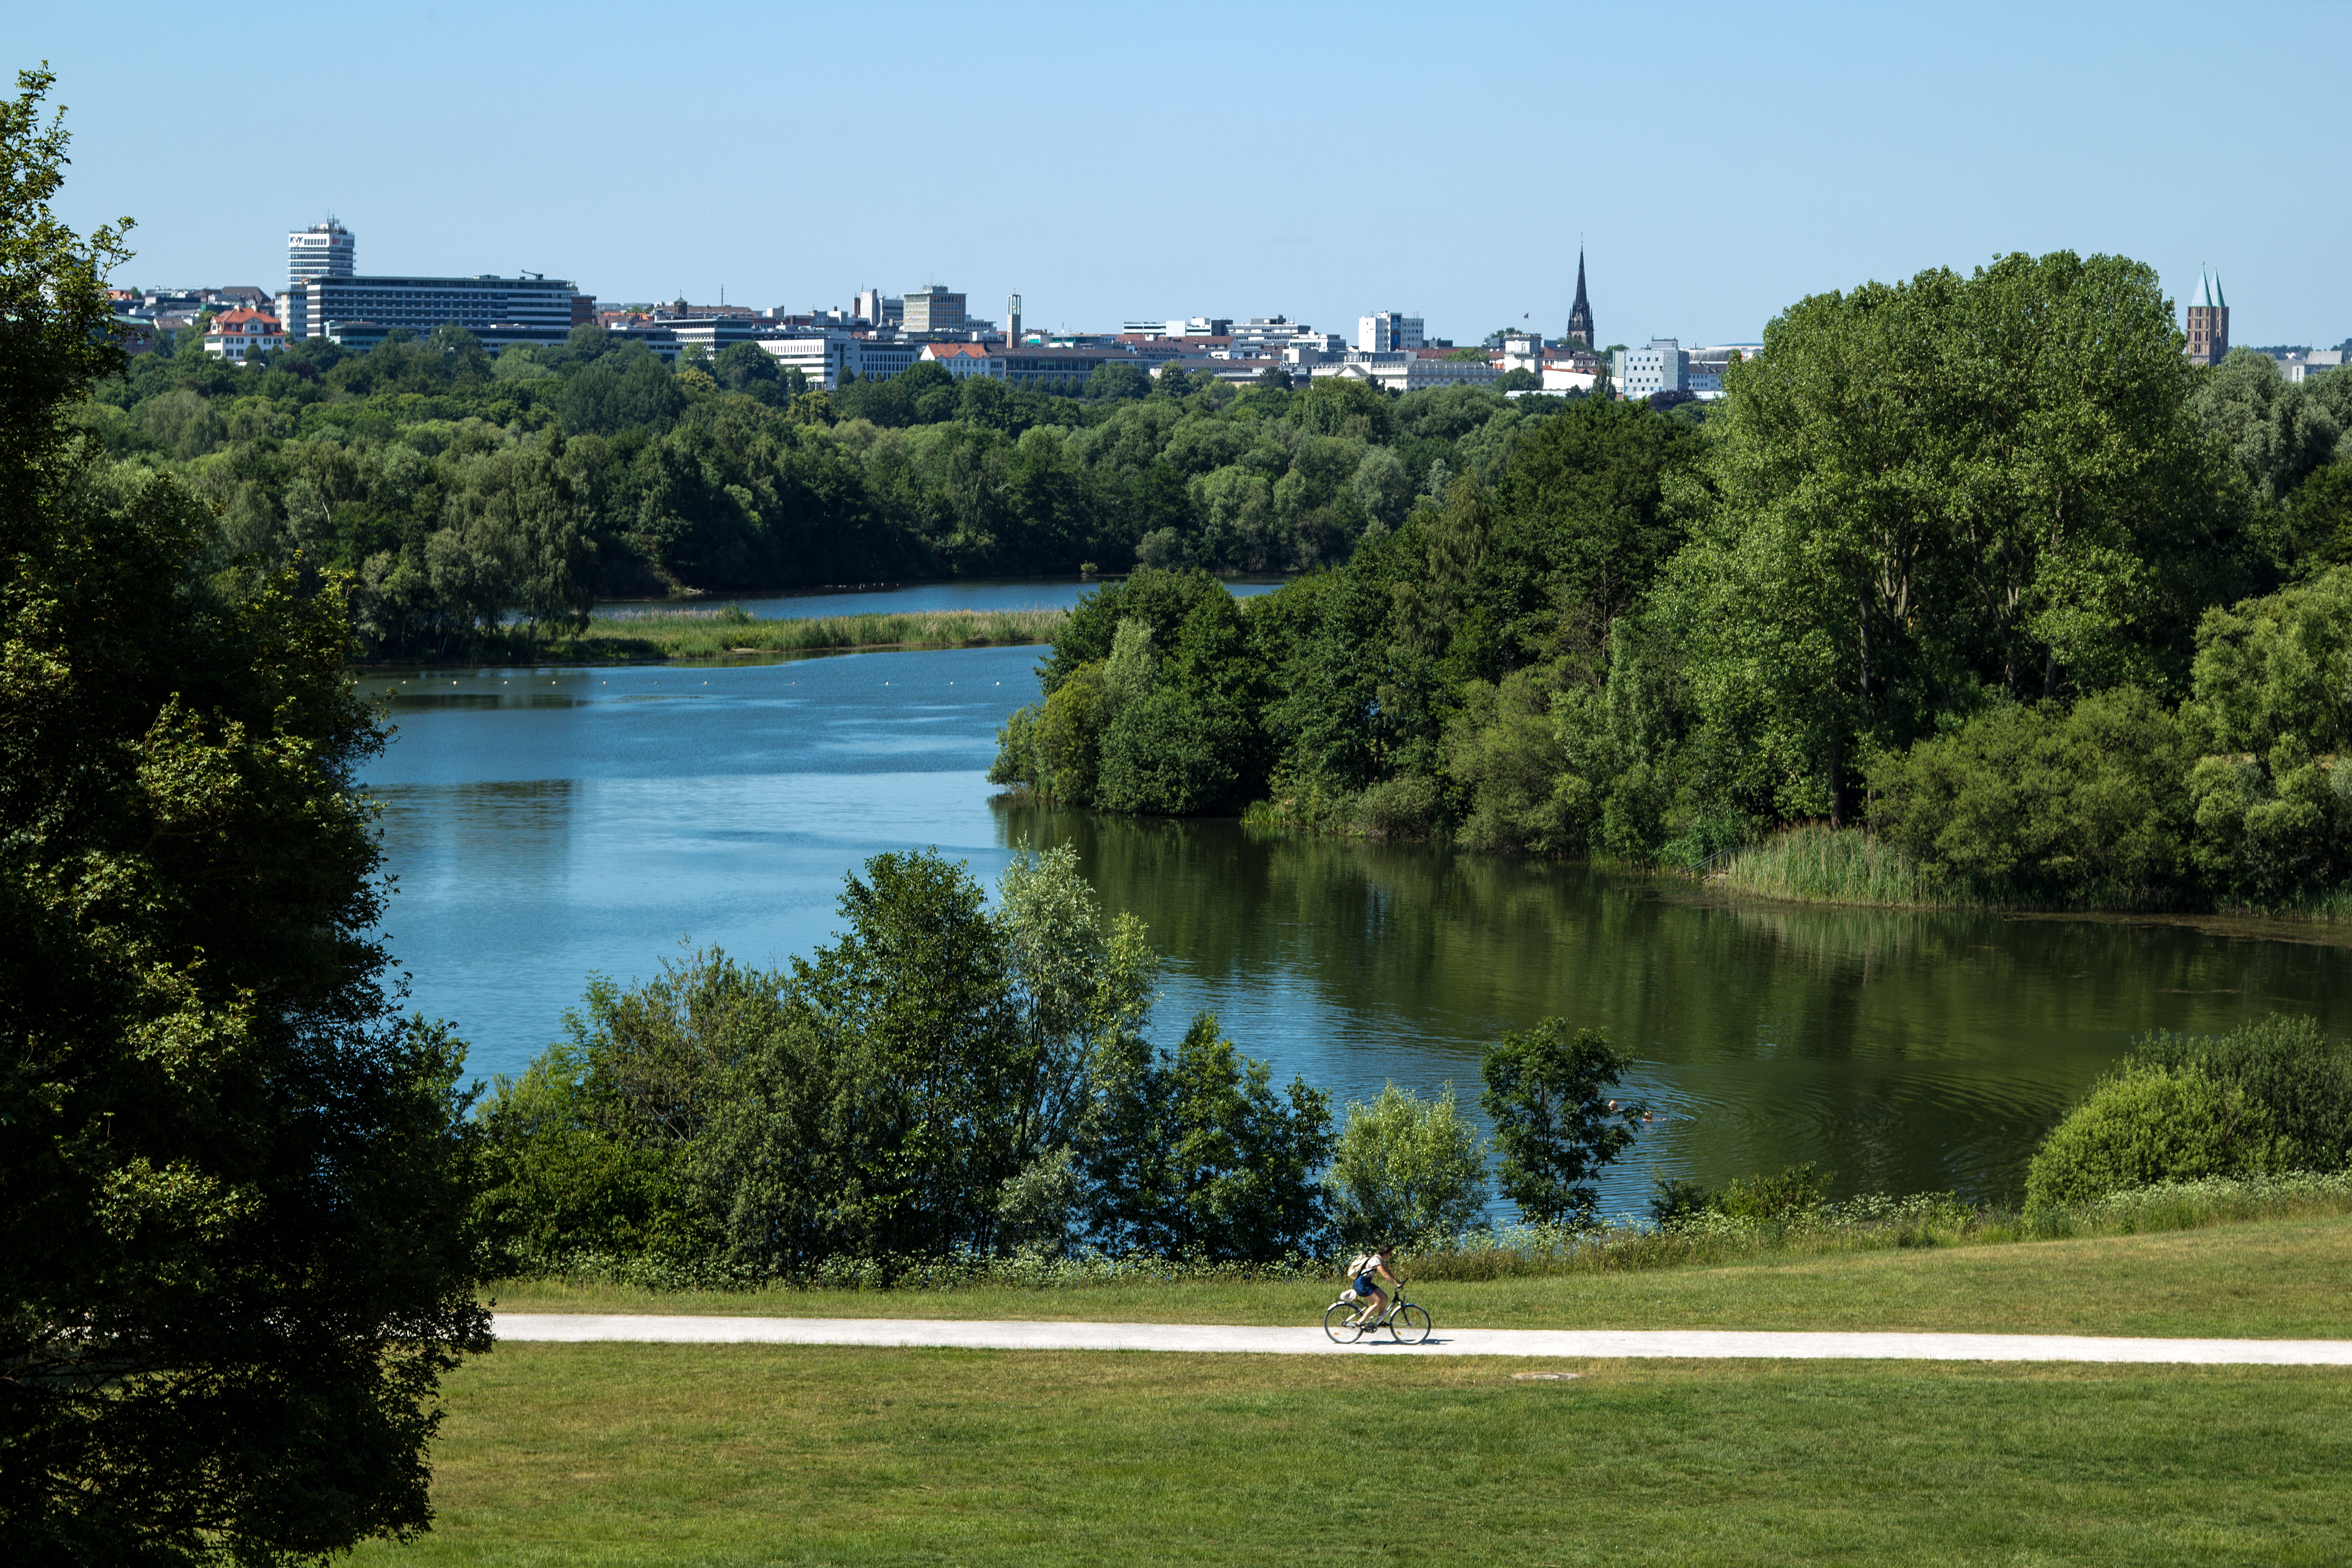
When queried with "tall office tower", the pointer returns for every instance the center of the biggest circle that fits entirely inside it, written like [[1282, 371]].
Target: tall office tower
[[1013, 319], [933, 309], [1580, 315], [2208, 322], [321, 250], [869, 308]]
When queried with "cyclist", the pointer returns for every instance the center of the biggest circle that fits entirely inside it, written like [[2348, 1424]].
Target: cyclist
[[1366, 1267]]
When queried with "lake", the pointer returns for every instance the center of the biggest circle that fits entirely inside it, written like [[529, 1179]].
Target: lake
[[547, 824]]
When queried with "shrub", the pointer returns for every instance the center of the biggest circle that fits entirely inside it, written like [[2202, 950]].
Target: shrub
[[1399, 808], [2286, 1064], [2081, 805], [1794, 1191], [2150, 1124], [1406, 1168]]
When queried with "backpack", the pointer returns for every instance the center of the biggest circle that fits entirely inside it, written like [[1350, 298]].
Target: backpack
[[1363, 1264]]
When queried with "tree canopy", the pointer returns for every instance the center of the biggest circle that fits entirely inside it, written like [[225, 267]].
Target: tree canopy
[[232, 1195]]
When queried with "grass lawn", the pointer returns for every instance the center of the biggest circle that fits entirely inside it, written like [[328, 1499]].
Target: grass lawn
[[2257, 1279], [777, 1454]]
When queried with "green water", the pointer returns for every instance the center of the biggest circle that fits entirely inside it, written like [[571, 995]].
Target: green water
[[548, 824], [1899, 1051]]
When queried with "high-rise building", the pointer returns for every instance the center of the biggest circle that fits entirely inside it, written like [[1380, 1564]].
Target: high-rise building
[[1012, 318], [1580, 315], [321, 250], [1387, 332], [2208, 321], [933, 309]]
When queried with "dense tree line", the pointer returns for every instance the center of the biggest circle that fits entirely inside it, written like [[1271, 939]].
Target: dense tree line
[[948, 1079], [1980, 562], [459, 489]]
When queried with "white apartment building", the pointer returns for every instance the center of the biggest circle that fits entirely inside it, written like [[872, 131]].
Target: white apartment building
[[1664, 366], [1401, 372], [1388, 332], [827, 357]]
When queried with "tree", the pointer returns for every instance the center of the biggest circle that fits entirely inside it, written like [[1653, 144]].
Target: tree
[[1406, 1169], [1197, 1156], [1545, 1094], [233, 1249], [1113, 379], [1933, 487]]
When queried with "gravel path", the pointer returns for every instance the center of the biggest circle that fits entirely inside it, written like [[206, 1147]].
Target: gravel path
[[1588, 1344]]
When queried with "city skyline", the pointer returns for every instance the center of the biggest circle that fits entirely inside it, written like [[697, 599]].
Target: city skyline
[[1867, 146]]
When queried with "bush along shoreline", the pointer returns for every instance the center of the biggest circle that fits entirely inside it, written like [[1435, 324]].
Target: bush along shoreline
[[958, 1095], [1941, 657]]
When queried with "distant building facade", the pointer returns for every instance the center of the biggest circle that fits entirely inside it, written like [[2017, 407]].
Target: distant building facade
[[1388, 332], [2208, 322], [239, 335], [1664, 366], [322, 250], [934, 309], [514, 310], [1402, 371]]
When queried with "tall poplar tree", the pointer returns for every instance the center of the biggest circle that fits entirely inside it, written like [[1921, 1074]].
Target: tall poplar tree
[[232, 1183]]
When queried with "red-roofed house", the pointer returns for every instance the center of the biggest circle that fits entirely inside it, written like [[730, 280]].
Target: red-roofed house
[[960, 360], [235, 334]]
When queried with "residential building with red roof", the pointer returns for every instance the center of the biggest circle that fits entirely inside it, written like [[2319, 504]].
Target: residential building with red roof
[[238, 334]]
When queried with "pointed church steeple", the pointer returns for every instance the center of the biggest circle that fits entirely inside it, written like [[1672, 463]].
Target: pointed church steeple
[[1580, 317]]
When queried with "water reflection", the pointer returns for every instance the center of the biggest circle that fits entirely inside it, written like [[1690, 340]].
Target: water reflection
[[545, 824], [1899, 1050]]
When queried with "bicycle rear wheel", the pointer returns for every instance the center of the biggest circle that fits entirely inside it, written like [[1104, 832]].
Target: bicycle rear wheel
[[1336, 1322], [1410, 1325]]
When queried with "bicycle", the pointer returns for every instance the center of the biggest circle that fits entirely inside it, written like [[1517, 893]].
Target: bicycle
[[1407, 1322]]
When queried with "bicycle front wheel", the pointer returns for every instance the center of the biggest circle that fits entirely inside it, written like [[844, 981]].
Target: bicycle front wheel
[[1337, 1323], [1410, 1325]]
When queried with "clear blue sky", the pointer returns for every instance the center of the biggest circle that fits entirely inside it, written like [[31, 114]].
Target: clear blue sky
[[1135, 161]]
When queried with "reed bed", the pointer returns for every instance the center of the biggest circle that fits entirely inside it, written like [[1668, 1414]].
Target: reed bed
[[717, 633], [1819, 863]]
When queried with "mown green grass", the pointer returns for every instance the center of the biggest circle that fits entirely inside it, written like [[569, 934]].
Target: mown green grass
[[723, 1455], [712, 633], [2259, 1279]]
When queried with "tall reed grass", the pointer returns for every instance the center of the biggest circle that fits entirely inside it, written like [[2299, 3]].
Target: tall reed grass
[[1838, 866], [715, 633]]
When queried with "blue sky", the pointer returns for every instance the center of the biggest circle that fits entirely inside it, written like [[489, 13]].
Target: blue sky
[[1110, 162]]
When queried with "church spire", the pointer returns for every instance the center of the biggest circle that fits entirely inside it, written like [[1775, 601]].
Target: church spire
[[1580, 317]]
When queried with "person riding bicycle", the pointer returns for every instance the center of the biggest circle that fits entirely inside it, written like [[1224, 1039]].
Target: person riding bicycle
[[1369, 1268]]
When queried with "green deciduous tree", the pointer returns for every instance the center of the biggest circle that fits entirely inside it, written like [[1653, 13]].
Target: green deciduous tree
[[1197, 1156], [1555, 1124], [234, 1260], [1406, 1168]]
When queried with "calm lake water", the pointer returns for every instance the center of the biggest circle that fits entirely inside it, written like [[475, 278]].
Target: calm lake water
[[545, 824]]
